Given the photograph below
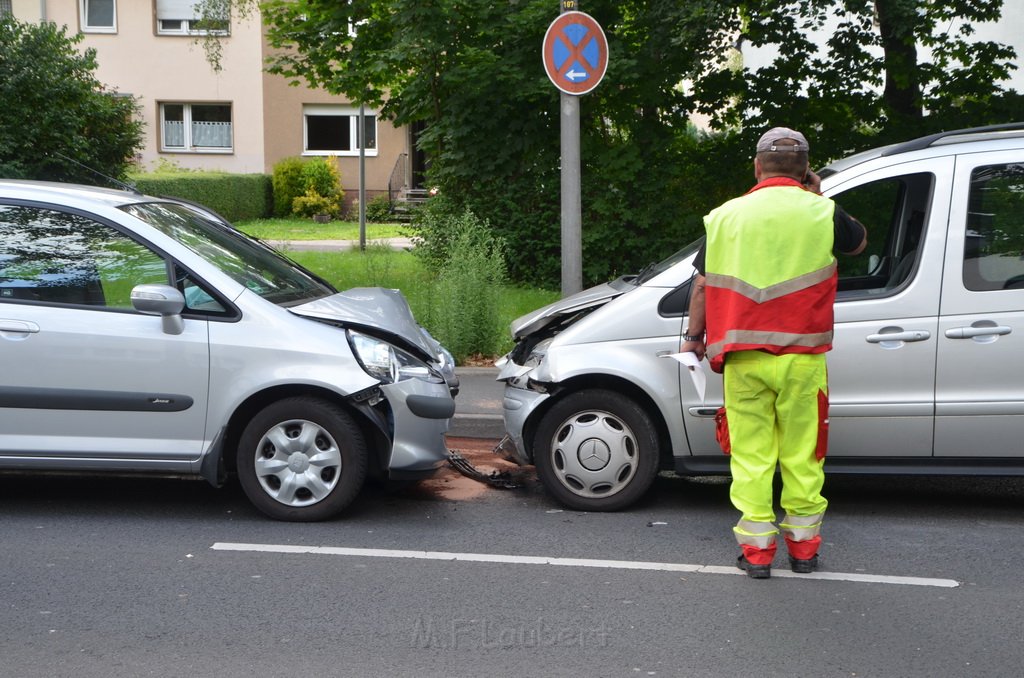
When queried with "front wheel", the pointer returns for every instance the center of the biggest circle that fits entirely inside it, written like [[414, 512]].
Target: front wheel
[[596, 450], [302, 459]]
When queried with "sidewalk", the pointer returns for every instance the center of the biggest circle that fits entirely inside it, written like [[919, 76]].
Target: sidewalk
[[336, 245]]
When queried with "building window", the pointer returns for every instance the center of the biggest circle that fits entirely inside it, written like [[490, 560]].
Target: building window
[[5, 8], [182, 17], [98, 16], [202, 128], [334, 130]]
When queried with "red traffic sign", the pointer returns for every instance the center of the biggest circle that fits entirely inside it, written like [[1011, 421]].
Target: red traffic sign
[[575, 53]]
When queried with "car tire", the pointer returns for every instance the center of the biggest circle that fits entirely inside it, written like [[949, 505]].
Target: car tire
[[302, 459], [596, 450]]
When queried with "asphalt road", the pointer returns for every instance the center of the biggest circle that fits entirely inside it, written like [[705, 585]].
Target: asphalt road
[[478, 405], [149, 577]]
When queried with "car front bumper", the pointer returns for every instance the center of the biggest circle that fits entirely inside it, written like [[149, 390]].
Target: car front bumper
[[517, 406], [422, 415]]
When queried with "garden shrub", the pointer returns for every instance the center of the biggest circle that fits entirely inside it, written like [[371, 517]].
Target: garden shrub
[[321, 189], [287, 179], [234, 196], [378, 209]]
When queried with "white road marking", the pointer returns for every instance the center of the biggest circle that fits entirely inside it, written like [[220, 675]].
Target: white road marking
[[578, 562]]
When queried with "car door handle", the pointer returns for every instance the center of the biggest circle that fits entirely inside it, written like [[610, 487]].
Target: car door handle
[[18, 326], [909, 335], [971, 332], [703, 411]]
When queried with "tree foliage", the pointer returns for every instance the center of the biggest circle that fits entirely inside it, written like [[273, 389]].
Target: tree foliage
[[889, 70], [469, 73], [54, 106]]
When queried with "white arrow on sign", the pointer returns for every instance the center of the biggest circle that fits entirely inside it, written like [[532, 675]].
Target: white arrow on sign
[[575, 75]]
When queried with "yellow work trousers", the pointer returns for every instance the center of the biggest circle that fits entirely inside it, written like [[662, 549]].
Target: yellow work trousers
[[776, 407]]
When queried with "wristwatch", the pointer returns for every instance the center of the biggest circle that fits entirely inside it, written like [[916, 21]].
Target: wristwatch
[[692, 337]]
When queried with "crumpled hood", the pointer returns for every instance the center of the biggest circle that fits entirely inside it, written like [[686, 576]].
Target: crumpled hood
[[588, 298], [373, 308]]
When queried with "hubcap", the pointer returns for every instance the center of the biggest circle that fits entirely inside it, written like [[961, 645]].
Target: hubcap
[[594, 454], [298, 462]]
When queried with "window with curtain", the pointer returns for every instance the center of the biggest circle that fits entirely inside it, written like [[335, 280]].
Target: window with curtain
[[189, 127]]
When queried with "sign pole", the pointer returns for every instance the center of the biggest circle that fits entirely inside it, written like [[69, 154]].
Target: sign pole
[[572, 238]]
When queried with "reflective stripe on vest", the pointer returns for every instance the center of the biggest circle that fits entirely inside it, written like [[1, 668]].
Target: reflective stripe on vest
[[771, 276]]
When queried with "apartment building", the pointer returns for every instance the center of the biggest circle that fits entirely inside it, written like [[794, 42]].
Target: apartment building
[[239, 119]]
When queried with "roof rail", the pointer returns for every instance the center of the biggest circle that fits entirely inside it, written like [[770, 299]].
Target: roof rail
[[925, 142]]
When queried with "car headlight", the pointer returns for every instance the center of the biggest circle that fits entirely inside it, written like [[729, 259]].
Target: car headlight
[[538, 353], [389, 363]]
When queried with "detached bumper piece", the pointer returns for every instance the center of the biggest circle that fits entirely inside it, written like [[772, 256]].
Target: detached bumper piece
[[500, 479]]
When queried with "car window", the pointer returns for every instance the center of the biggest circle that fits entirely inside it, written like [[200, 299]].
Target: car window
[[198, 299], [258, 268], [994, 245], [894, 210], [57, 257]]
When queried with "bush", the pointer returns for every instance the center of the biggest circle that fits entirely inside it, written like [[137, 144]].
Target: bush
[[234, 196], [378, 209], [57, 119], [464, 312], [312, 204], [287, 185], [321, 186], [322, 176], [432, 231]]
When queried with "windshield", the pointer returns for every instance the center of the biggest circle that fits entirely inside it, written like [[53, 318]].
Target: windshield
[[246, 261], [654, 269]]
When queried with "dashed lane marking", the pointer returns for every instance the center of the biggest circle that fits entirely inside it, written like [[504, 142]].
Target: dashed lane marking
[[577, 562]]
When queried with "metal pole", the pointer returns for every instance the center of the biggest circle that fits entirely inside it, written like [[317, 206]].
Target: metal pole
[[572, 240], [361, 136]]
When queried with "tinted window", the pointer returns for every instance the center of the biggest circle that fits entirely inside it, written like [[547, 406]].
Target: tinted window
[[57, 257], [894, 212], [994, 247]]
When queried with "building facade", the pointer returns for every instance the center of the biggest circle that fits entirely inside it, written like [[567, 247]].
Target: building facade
[[238, 119]]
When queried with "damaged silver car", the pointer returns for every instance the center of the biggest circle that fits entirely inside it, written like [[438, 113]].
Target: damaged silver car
[[147, 335], [925, 376]]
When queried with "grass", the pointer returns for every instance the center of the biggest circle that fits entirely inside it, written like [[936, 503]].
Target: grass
[[306, 229], [380, 266]]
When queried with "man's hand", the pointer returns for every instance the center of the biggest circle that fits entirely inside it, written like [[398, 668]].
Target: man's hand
[[813, 182], [697, 347]]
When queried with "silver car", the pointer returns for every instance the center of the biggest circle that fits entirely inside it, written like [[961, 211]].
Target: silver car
[[927, 371], [147, 335]]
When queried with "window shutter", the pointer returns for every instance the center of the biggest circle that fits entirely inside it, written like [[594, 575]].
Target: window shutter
[[177, 9]]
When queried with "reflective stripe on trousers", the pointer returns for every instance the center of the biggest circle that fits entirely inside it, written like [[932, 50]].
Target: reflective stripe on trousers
[[774, 405]]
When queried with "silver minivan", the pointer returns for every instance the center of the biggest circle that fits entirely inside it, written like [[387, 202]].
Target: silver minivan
[[927, 371], [147, 335]]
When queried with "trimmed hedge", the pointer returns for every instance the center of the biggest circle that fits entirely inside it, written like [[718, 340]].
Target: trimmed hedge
[[233, 196]]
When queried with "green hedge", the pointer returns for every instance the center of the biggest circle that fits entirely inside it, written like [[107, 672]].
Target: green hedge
[[233, 196]]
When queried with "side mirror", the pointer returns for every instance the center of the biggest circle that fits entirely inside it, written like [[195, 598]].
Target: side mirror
[[161, 300]]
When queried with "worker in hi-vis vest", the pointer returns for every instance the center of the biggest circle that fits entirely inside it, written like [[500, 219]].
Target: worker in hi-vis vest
[[761, 310]]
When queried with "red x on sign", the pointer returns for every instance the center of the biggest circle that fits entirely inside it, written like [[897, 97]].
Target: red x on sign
[[575, 52]]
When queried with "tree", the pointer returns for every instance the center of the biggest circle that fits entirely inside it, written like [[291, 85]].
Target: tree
[[54, 107], [889, 70], [469, 73]]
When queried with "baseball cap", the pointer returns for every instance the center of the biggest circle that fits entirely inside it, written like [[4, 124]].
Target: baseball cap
[[768, 139]]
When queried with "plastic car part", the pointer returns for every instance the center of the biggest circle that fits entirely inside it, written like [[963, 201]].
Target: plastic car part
[[302, 459], [596, 450]]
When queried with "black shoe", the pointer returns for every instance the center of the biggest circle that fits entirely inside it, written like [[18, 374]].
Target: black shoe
[[804, 566], [754, 571]]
